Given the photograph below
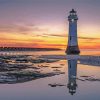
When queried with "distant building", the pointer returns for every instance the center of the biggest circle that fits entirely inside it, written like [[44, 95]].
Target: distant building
[[72, 47]]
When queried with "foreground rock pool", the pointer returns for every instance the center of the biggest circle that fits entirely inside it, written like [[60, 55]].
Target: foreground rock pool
[[49, 77]]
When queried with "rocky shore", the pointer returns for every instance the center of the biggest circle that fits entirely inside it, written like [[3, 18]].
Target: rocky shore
[[16, 68]]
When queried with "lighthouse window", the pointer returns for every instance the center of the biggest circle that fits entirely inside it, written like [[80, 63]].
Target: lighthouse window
[[70, 37], [70, 66], [72, 20]]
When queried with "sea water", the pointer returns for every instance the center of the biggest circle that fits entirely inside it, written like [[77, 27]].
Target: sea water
[[86, 78]]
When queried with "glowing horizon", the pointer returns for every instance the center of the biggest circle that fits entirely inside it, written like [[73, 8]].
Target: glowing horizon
[[42, 24]]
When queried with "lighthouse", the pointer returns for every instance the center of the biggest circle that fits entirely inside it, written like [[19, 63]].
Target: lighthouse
[[72, 47]]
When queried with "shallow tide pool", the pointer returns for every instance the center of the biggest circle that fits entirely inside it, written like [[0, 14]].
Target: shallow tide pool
[[78, 82]]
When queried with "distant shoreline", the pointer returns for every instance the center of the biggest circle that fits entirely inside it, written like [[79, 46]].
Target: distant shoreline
[[27, 49]]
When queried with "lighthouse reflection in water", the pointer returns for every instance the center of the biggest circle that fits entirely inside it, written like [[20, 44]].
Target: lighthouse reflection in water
[[72, 75]]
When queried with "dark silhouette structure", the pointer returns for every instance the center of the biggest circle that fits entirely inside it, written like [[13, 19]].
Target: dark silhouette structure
[[72, 47]]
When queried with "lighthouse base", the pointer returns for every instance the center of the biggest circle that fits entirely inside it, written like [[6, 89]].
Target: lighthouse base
[[72, 50]]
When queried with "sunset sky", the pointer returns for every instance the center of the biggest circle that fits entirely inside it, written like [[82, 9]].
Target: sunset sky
[[44, 24]]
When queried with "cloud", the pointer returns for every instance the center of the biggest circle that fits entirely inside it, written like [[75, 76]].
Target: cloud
[[21, 28], [55, 35], [89, 38], [15, 28], [65, 35]]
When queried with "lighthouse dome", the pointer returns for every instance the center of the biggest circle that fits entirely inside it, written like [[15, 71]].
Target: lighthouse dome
[[72, 11]]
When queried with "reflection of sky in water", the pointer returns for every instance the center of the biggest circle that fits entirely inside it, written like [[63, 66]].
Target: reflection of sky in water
[[39, 89]]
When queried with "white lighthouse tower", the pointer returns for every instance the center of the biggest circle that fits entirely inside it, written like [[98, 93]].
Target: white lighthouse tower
[[72, 47]]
